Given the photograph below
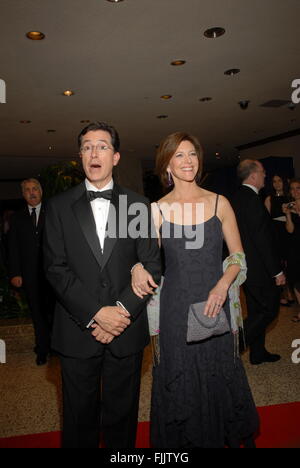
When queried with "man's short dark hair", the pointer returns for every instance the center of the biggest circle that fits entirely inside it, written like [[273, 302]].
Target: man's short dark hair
[[246, 168], [93, 127]]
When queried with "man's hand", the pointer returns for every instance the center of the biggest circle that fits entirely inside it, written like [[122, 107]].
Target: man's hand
[[17, 281], [280, 280], [142, 282], [113, 320], [101, 335]]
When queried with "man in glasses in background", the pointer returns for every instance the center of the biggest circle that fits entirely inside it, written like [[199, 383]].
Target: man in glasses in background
[[100, 325]]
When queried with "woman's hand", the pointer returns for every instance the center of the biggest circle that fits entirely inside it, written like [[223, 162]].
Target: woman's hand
[[216, 300], [142, 282]]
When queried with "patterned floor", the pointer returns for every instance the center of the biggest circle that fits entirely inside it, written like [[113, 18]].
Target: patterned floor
[[31, 397]]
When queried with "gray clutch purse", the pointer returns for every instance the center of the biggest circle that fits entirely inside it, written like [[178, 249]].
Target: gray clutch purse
[[201, 327]]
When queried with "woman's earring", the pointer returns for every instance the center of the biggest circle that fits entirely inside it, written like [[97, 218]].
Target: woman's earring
[[170, 180]]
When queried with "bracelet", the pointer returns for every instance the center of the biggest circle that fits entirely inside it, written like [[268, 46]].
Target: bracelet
[[135, 266]]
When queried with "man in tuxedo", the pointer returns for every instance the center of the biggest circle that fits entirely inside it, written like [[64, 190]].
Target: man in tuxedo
[[100, 325], [264, 270], [25, 264]]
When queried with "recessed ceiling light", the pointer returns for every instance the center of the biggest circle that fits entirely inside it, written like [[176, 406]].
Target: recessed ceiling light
[[166, 97], [162, 116], [205, 99], [35, 35], [213, 33], [68, 93], [25, 121], [115, 1], [232, 71], [178, 63]]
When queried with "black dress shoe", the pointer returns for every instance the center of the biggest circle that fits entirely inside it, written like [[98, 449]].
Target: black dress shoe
[[267, 357], [41, 359]]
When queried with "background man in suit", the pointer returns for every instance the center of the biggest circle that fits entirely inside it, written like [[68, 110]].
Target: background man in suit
[[264, 269], [100, 325], [26, 263]]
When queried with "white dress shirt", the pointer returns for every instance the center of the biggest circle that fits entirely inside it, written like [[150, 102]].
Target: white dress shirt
[[100, 208], [37, 211], [255, 189]]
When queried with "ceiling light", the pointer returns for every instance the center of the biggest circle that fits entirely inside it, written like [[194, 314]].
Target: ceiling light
[[244, 104], [178, 63], [213, 33], [232, 71], [35, 35], [68, 93], [205, 99], [115, 1], [166, 97]]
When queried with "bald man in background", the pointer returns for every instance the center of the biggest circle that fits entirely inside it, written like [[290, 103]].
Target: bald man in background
[[264, 268]]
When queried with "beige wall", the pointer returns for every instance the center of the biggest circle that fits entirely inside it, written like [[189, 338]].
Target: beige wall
[[289, 147], [10, 190]]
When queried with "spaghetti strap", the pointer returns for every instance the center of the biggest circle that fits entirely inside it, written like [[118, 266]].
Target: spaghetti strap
[[217, 201], [161, 211]]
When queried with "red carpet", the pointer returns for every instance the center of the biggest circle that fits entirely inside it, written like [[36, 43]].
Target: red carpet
[[280, 428]]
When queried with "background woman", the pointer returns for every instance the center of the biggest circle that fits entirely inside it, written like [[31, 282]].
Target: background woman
[[279, 196], [201, 397], [292, 212]]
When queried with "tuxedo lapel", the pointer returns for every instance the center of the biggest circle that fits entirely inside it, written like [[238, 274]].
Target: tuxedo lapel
[[85, 217], [112, 227], [41, 220]]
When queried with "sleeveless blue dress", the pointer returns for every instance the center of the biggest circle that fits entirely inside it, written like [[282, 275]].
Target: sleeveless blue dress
[[200, 396]]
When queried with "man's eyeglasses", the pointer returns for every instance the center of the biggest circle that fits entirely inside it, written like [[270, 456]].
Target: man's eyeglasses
[[100, 149]]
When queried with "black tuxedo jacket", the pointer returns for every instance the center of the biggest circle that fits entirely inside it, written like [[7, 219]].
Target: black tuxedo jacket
[[258, 238], [85, 280], [25, 247]]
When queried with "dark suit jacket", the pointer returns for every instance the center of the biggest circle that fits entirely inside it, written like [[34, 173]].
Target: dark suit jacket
[[258, 237], [85, 280], [25, 247]]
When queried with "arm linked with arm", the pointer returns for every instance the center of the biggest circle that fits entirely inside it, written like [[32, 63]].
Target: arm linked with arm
[[148, 254]]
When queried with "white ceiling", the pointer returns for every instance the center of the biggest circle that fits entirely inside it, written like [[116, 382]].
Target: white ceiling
[[116, 57]]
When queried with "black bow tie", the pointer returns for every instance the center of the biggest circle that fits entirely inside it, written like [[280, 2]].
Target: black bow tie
[[106, 194]]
